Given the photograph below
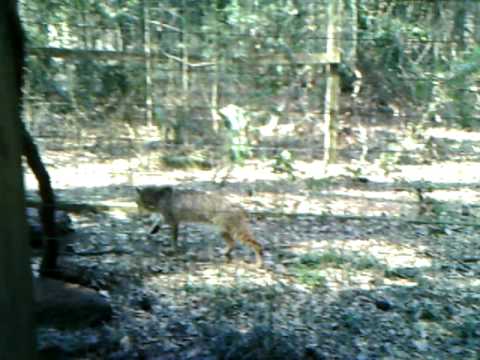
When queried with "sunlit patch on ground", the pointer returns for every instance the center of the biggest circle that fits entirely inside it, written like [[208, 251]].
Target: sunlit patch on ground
[[350, 262]]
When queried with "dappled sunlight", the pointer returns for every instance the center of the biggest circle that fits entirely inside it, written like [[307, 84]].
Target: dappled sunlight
[[464, 196], [394, 255], [120, 211], [341, 166], [446, 172], [453, 134], [388, 253], [360, 263], [85, 175], [225, 275], [273, 192], [328, 266]]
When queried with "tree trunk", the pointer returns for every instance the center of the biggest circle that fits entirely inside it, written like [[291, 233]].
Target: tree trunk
[[476, 22], [330, 117], [47, 212], [460, 25], [333, 85], [148, 64], [17, 339]]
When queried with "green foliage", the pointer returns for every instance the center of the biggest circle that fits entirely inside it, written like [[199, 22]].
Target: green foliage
[[236, 122], [336, 259], [357, 172], [260, 343], [405, 54], [388, 162], [311, 267], [352, 320], [461, 89], [384, 53], [321, 183], [425, 310], [403, 273], [284, 164], [310, 277], [469, 329], [191, 160], [408, 54]]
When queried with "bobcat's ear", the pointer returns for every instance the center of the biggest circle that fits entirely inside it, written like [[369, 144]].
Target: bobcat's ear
[[138, 190]]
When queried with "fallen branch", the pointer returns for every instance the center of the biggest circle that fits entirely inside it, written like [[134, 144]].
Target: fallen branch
[[102, 252], [470, 259], [261, 214], [72, 207]]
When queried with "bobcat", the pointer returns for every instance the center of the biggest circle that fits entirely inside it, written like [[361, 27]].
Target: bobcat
[[177, 206]]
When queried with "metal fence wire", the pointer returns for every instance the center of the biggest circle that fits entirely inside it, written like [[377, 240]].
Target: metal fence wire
[[339, 126]]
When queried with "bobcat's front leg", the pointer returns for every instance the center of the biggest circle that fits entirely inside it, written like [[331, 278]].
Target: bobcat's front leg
[[174, 236], [155, 227]]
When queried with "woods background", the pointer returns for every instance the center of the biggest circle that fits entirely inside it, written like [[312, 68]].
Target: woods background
[[348, 129]]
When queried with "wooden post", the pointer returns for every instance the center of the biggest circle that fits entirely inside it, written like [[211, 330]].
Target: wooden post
[[331, 114], [148, 64], [17, 340], [333, 86]]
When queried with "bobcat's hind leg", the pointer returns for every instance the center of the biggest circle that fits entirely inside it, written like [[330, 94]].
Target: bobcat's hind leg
[[258, 255], [230, 244], [174, 236], [250, 241]]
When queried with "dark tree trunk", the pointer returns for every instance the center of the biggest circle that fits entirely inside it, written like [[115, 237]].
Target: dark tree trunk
[[31, 153], [47, 212], [17, 340]]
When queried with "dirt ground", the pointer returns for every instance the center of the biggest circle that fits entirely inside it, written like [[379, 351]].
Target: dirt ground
[[357, 266]]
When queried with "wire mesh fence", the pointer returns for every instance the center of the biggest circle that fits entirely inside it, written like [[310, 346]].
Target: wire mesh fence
[[359, 254]]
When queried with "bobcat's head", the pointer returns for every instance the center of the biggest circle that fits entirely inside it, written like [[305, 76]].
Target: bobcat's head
[[150, 198]]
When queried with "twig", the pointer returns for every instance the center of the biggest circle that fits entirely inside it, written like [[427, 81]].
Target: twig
[[102, 252]]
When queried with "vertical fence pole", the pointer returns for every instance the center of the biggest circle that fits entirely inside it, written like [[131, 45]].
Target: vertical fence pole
[[333, 85], [148, 64]]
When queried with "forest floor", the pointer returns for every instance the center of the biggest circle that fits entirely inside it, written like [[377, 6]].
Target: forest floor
[[358, 264]]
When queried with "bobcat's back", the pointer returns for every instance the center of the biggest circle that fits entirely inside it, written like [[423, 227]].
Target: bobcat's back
[[178, 206], [190, 206]]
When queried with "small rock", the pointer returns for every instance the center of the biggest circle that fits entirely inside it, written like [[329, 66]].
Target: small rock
[[64, 305], [383, 304]]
